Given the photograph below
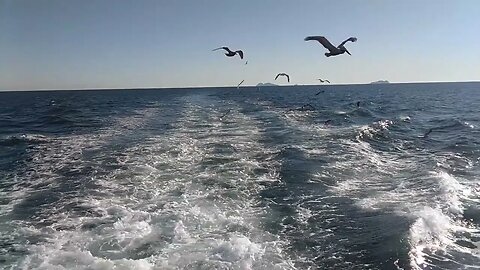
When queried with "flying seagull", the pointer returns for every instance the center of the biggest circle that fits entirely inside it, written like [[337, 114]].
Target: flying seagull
[[283, 74], [323, 80], [319, 92], [240, 84], [229, 52], [340, 49]]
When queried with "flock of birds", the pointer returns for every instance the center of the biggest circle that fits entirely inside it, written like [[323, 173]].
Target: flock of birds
[[332, 51]]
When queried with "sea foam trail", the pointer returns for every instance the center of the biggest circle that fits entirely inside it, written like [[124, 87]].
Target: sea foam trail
[[185, 199], [404, 183], [238, 181], [51, 184], [384, 181], [441, 231], [303, 205]]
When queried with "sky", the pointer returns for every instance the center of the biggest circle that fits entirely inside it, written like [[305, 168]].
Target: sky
[[80, 44]]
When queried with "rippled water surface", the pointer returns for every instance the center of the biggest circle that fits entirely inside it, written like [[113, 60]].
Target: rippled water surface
[[249, 178]]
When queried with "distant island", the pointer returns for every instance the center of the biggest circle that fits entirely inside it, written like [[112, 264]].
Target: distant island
[[265, 84], [380, 82]]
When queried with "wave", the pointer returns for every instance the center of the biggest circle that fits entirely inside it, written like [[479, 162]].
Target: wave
[[171, 204], [442, 230], [236, 182], [375, 130], [451, 127], [24, 139]]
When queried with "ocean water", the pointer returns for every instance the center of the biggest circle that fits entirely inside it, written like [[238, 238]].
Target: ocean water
[[226, 178]]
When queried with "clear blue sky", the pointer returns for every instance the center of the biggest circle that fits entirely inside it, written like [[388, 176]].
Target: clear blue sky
[[72, 44]]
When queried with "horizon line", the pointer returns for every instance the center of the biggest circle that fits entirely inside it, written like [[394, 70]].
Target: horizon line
[[228, 86]]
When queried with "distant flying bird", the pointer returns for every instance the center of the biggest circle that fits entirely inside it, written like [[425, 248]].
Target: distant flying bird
[[319, 92], [327, 123], [322, 81], [229, 52], [283, 74], [240, 84], [340, 49]]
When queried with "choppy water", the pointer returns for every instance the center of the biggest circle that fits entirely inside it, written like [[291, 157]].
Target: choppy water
[[235, 179]]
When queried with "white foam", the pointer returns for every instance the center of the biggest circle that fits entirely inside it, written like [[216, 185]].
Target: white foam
[[451, 190], [435, 203], [167, 207], [430, 232], [77, 259], [404, 118], [369, 131], [240, 250], [468, 125]]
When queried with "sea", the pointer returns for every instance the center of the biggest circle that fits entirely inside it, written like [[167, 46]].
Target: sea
[[373, 176]]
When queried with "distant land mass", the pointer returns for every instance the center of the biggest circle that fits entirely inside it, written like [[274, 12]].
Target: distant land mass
[[265, 84], [380, 81]]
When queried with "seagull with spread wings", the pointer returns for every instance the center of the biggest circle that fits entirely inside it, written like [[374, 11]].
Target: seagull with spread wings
[[322, 81], [230, 53], [283, 74], [340, 49]]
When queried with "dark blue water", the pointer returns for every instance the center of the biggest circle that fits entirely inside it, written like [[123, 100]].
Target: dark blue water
[[225, 178]]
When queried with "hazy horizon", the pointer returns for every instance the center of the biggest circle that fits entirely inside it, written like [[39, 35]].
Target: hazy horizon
[[234, 86], [52, 44]]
